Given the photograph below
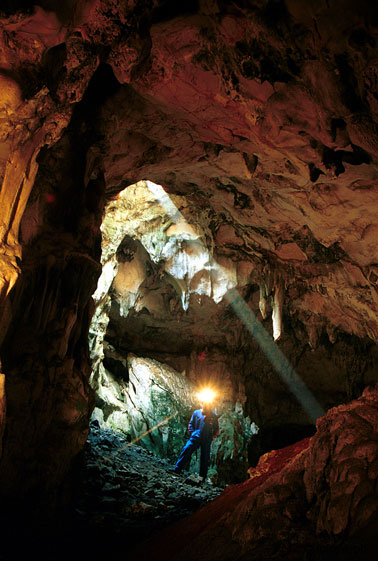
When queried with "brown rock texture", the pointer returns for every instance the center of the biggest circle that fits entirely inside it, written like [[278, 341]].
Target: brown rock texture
[[318, 495], [260, 118], [341, 468]]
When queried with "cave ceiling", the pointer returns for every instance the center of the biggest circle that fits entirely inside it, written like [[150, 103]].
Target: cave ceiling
[[262, 115]]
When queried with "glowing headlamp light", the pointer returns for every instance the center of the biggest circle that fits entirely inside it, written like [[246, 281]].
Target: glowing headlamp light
[[206, 395]]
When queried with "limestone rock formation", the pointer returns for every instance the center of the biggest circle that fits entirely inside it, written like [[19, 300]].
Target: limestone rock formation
[[156, 265], [148, 395], [161, 281], [316, 495], [258, 119], [130, 491]]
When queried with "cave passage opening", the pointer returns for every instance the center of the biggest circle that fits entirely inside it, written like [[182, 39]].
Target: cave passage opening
[[151, 340]]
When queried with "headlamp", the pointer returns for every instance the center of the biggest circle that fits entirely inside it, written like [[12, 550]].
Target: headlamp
[[206, 395]]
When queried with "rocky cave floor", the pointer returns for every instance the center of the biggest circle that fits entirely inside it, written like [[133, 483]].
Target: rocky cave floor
[[124, 495], [130, 492]]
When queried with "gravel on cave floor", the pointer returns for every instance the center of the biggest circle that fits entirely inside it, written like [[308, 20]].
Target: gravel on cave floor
[[127, 493], [124, 495]]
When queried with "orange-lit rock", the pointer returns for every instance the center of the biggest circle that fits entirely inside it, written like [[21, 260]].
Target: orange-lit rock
[[10, 95], [300, 497], [259, 119], [290, 251]]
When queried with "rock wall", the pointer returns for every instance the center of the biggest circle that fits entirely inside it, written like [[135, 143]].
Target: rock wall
[[44, 348], [314, 499], [161, 295], [141, 396], [47, 392]]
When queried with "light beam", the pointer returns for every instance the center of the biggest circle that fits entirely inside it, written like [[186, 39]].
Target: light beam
[[163, 422], [276, 357]]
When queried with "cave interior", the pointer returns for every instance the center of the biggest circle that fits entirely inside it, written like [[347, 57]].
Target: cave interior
[[189, 198]]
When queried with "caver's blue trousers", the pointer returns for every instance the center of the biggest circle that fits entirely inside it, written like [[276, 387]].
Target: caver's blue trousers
[[193, 444]]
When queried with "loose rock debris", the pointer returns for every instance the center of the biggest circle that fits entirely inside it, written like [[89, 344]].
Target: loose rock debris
[[130, 493], [124, 495]]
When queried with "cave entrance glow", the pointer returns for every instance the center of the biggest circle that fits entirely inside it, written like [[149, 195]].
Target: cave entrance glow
[[152, 339]]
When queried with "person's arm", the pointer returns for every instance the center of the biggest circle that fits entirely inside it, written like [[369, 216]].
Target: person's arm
[[191, 424]]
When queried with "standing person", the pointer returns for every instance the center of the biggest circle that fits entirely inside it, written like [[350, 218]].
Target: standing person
[[203, 427]]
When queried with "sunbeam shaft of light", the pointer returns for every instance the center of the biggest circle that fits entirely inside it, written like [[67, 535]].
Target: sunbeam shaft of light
[[163, 422], [165, 201], [275, 356]]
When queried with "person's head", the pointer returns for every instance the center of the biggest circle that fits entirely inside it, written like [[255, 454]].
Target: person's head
[[206, 397], [206, 407]]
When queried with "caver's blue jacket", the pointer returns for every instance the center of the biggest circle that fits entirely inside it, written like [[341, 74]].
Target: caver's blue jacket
[[202, 428]]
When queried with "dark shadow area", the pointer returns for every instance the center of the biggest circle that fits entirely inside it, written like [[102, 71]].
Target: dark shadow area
[[119, 496], [275, 438], [169, 9], [10, 7]]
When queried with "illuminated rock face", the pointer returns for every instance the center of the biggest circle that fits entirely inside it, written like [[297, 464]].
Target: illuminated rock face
[[318, 494], [159, 273], [150, 302], [261, 116]]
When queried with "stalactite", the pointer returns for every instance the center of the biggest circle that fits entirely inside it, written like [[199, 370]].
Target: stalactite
[[313, 332], [277, 310], [182, 290], [271, 300], [263, 302], [331, 332]]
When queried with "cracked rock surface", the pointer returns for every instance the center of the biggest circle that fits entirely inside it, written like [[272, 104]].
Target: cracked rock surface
[[129, 493]]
